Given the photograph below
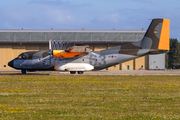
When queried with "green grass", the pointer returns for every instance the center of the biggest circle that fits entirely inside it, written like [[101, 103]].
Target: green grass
[[89, 97]]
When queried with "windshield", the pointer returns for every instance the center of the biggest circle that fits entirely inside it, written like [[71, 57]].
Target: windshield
[[22, 57], [32, 55]]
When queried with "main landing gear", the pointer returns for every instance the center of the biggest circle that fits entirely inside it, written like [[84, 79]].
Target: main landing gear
[[73, 72], [79, 72]]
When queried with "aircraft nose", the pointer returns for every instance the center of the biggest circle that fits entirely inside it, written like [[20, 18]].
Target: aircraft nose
[[11, 64]]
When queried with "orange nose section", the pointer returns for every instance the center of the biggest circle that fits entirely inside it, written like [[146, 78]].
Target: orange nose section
[[64, 54]]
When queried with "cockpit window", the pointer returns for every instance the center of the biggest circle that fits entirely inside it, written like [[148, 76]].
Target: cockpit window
[[21, 57], [33, 55]]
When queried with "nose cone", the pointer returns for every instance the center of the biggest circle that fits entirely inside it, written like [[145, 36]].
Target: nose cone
[[11, 64]]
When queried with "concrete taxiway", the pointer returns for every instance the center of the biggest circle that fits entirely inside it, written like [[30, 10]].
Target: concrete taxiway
[[102, 72], [135, 72]]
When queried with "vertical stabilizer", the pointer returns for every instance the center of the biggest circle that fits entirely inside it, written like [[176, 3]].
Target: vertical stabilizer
[[157, 35]]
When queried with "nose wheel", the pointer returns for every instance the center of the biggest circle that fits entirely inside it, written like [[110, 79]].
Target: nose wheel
[[23, 71]]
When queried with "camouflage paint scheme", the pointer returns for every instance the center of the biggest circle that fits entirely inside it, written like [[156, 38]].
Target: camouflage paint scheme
[[155, 41]]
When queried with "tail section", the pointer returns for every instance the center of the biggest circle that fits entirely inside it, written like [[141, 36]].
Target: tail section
[[155, 41], [157, 36]]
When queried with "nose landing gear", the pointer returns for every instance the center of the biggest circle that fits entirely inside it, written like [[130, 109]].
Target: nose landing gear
[[23, 71]]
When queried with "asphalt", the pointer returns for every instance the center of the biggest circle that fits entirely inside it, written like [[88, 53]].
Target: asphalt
[[102, 72], [136, 72]]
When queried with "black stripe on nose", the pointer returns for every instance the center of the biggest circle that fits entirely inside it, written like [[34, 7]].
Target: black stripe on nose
[[11, 64]]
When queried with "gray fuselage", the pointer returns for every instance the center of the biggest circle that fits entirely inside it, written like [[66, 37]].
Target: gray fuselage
[[40, 60]]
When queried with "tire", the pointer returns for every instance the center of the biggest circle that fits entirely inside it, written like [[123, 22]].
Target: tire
[[73, 72], [80, 72], [23, 71]]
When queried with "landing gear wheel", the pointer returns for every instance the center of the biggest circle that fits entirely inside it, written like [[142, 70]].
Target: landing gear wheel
[[73, 72], [23, 71], [80, 72]]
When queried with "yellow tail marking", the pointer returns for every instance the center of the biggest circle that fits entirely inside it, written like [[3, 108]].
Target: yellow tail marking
[[164, 38]]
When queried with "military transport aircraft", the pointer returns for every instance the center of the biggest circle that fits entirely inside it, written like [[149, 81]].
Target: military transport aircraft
[[80, 59]]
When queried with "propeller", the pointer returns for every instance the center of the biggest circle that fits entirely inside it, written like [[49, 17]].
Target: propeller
[[50, 50]]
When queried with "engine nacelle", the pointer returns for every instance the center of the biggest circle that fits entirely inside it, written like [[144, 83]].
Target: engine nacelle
[[64, 54], [74, 67]]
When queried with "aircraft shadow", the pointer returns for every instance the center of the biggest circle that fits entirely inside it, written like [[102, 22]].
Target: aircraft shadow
[[24, 74]]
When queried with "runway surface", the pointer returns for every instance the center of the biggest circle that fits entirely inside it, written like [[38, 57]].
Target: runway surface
[[102, 72], [136, 72]]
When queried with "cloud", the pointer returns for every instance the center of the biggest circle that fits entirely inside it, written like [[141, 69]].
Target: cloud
[[112, 17], [45, 14], [34, 17], [58, 3], [102, 14]]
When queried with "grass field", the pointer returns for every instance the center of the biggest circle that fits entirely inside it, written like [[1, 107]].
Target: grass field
[[89, 97]]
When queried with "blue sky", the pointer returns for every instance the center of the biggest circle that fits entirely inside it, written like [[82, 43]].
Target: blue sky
[[88, 14]]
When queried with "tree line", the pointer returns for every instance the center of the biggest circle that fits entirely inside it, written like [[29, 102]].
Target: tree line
[[173, 56]]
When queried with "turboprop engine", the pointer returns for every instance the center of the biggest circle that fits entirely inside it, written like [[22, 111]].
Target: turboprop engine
[[65, 54], [71, 52]]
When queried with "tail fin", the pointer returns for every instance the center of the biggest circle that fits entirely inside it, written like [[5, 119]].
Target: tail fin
[[157, 36]]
